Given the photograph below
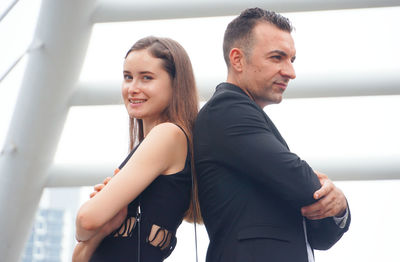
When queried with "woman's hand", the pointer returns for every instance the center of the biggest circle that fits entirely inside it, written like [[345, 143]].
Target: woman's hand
[[115, 222], [163, 151], [85, 249], [97, 188]]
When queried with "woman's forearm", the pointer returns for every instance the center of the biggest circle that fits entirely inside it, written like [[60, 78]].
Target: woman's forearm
[[86, 224], [84, 250], [83, 234]]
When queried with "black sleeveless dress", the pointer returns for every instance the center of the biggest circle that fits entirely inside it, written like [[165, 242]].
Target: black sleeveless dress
[[163, 204]]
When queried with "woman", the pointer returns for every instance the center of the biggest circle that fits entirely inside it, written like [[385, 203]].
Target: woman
[[134, 215]]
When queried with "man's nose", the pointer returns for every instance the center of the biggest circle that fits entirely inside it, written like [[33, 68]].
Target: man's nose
[[288, 71]]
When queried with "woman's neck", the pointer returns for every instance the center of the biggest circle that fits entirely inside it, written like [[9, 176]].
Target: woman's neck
[[149, 124]]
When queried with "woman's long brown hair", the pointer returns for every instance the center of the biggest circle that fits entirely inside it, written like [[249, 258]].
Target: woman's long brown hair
[[183, 107]]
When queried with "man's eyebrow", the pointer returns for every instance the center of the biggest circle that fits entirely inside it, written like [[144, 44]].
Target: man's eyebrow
[[282, 53]]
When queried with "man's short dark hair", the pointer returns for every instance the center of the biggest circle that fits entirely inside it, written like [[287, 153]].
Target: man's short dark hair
[[239, 31]]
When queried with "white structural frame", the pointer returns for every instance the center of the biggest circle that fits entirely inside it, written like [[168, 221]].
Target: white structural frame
[[358, 84], [50, 86], [64, 28]]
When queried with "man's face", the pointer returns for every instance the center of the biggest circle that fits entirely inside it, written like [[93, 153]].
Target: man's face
[[269, 67]]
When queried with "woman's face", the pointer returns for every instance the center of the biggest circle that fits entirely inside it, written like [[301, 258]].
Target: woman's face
[[147, 87]]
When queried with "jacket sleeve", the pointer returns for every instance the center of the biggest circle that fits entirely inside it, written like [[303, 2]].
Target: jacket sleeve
[[245, 143], [324, 233]]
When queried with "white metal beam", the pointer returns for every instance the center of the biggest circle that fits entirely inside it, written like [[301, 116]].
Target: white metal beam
[[64, 29], [98, 93], [339, 168], [358, 168], [69, 175], [8, 9], [127, 10], [327, 85]]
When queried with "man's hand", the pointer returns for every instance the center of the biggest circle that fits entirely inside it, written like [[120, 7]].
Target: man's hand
[[331, 201]]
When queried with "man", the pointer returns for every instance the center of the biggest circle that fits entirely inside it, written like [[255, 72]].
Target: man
[[259, 201]]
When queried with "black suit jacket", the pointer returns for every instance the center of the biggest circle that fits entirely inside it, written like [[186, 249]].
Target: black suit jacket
[[251, 187]]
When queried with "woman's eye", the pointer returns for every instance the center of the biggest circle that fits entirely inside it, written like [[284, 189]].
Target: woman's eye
[[147, 77], [127, 77]]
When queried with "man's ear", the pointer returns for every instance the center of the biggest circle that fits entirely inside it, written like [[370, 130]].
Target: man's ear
[[236, 58]]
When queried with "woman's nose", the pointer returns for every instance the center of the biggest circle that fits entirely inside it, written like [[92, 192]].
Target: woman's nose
[[133, 87]]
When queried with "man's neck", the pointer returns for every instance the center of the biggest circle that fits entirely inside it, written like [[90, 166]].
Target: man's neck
[[235, 81]]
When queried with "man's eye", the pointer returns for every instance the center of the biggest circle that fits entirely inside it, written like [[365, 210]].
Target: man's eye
[[276, 57]]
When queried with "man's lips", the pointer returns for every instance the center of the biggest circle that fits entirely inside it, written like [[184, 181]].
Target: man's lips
[[282, 85]]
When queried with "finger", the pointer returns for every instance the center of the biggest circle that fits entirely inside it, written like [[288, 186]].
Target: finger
[[311, 210], [106, 180], [326, 188], [314, 217], [98, 187], [320, 216], [93, 194], [340, 204], [320, 207], [326, 211], [331, 205], [335, 202], [329, 212], [320, 175]]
